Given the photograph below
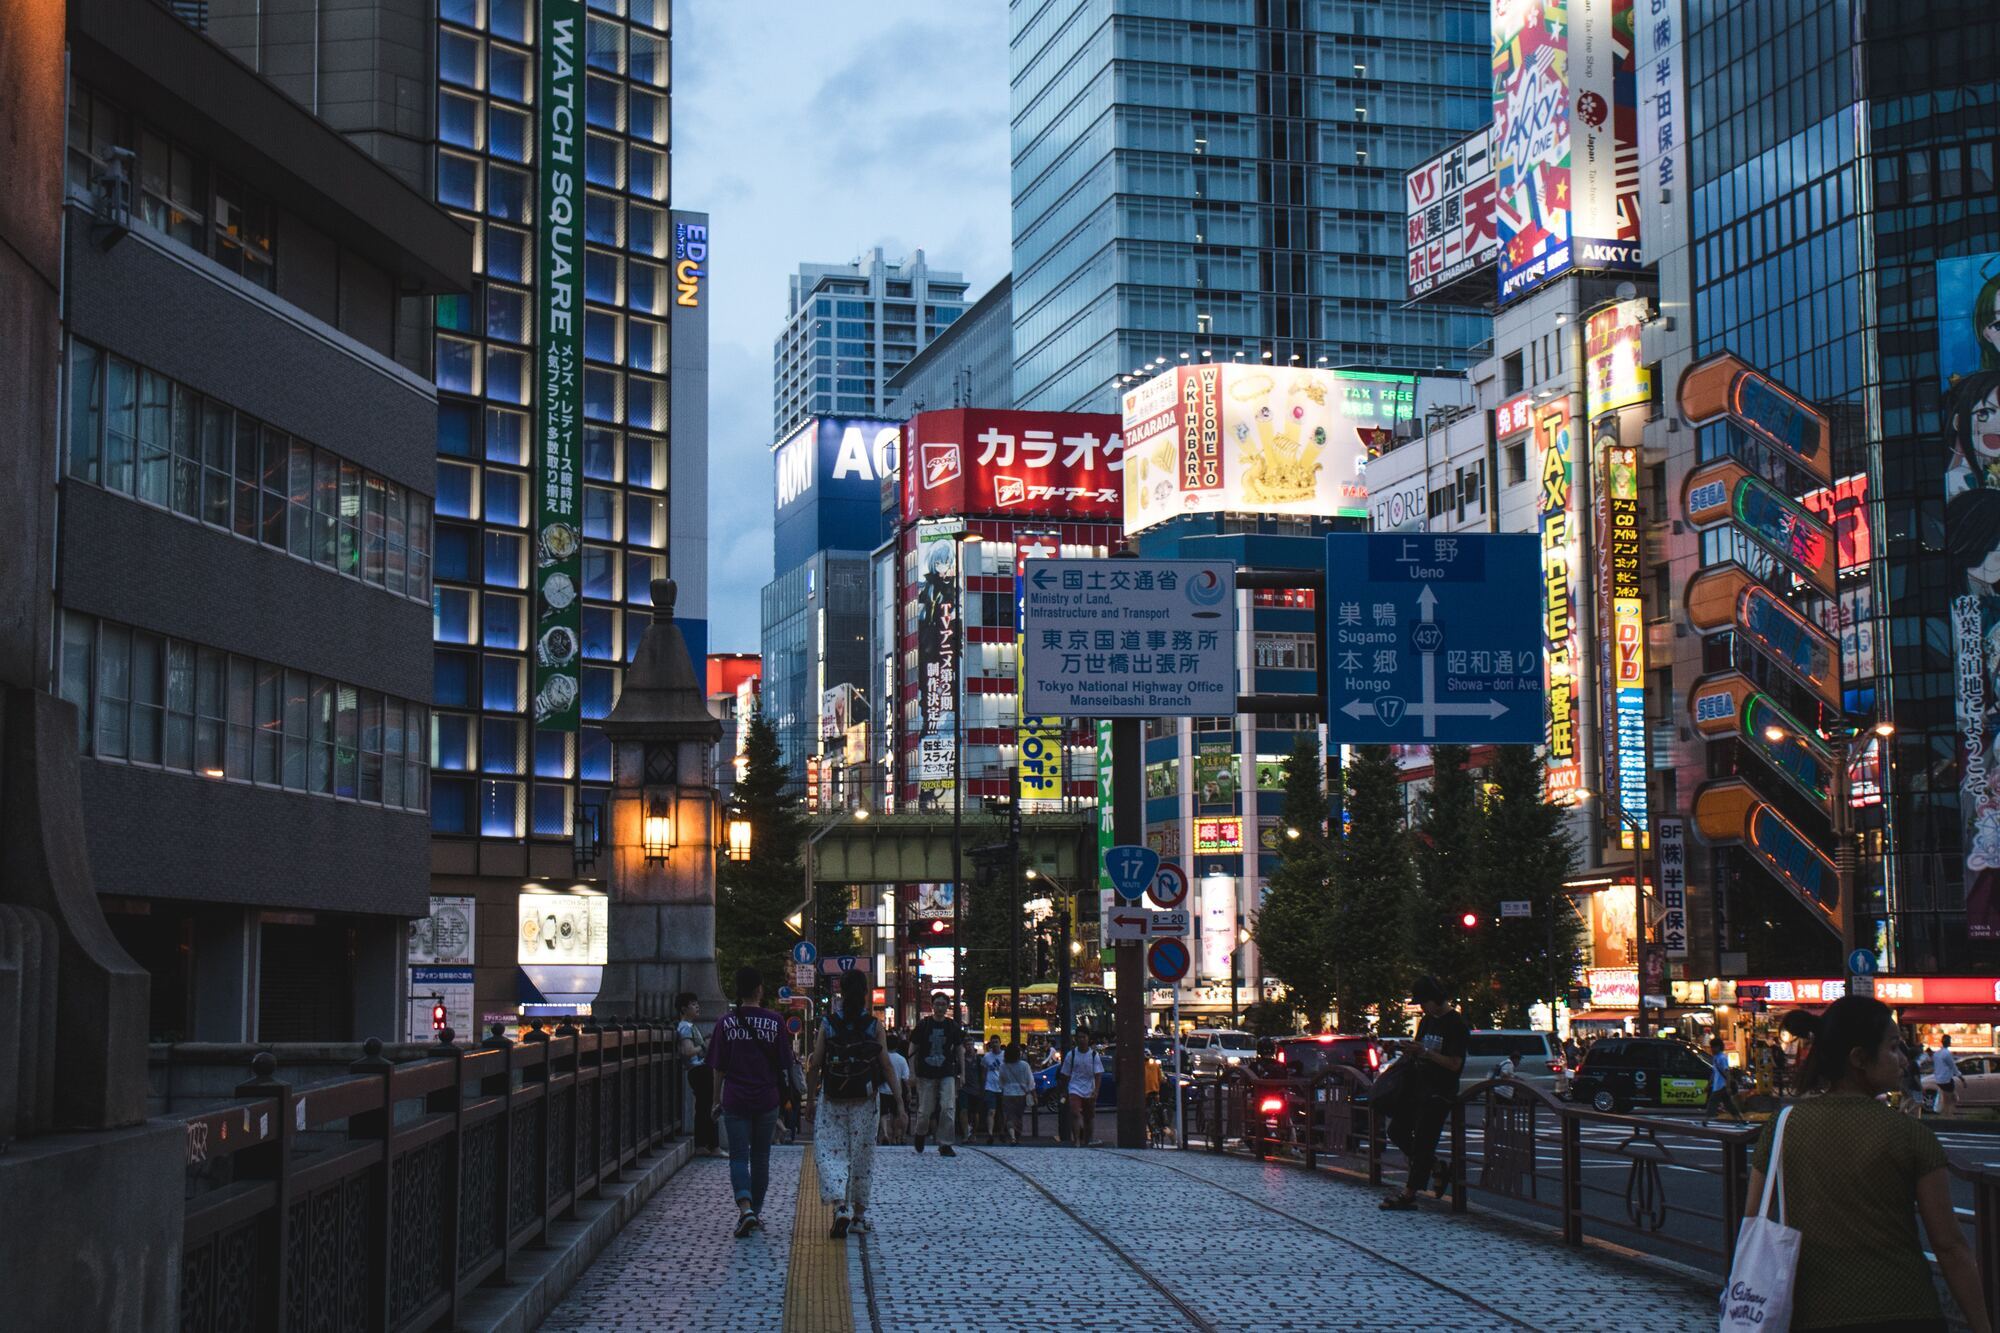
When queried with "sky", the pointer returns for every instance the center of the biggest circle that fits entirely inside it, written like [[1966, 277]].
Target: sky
[[815, 130]]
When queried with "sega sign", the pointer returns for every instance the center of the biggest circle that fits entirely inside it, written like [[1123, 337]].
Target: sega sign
[[828, 476], [1008, 464], [690, 262]]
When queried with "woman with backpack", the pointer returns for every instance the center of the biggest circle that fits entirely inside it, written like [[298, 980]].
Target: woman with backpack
[[848, 1063], [1854, 1179]]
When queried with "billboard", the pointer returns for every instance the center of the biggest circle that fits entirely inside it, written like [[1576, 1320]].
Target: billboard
[[1969, 361], [1013, 464], [1614, 375], [1448, 211], [559, 377], [939, 643], [828, 480], [1555, 508], [1564, 140], [1618, 476], [1260, 439]]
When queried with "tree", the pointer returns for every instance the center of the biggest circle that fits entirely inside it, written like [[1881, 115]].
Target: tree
[[1293, 926], [986, 935], [1528, 855], [1268, 1018], [1373, 885], [1447, 845], [753, 897]]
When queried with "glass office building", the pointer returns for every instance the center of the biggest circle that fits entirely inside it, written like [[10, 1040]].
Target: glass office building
[[1839, 154], [849, 328], [1230, 188]]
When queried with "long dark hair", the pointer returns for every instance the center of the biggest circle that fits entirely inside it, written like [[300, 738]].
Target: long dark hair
[[1853, 1023], [854, 999], [1966, 395]]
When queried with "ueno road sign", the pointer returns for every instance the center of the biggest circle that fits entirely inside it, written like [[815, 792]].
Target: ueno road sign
[[1434, 638]]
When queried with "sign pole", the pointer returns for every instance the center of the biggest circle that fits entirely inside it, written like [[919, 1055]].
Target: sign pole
[[1128, 795], [1014, 906]]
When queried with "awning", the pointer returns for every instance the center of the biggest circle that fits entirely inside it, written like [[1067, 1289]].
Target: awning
[[525, 990], [1939, 1013]]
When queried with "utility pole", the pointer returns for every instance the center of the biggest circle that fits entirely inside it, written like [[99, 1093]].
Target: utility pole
[[1014, 905], [1128, 814]]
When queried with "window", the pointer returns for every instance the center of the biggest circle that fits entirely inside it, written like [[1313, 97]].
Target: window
[[169, 195], [243, 234], [114, 690]]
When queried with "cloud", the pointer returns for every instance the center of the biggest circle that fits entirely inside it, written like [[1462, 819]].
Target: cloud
[[812, 132]]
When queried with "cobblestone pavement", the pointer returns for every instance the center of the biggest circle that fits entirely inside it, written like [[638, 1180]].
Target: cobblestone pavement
[[1033, 1238]]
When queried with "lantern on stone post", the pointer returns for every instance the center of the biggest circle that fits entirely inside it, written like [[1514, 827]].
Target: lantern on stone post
[[664, 822]]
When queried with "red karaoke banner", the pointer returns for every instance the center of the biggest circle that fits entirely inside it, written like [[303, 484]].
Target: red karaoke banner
[[972, 461]]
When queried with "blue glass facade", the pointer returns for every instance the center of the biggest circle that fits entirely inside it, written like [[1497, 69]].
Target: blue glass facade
[[1838, 152], [1229, 186]]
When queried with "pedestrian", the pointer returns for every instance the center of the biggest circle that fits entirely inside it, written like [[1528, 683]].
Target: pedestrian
[[1572, 1053], [989, 1084], [751, 1060], [849, 1063], [1913, 1085], [934, 1045], [971, 1091], [1718, 1082], [1856, 1178], [895, 1099], [1944, 1072], [1017, 1085], [693, 1045], [1082, 1069], [1429, 1087]]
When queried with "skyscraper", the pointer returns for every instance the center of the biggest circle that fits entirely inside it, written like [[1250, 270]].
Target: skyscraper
[[1230, 188], [849, 328]]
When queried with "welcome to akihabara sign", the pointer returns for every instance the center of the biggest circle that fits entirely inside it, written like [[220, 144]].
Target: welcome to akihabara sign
[[559, 371]]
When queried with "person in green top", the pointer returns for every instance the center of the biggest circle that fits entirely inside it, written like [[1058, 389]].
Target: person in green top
[[1857, 1176]]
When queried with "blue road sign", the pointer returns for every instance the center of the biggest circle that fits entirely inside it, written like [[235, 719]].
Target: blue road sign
[[1861, 963], [1167, 959], [1434, 638], [1131, 868], [784, 992], [805, 952]]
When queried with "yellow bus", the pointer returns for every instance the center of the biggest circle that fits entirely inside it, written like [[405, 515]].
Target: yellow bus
[[1090, 1006]]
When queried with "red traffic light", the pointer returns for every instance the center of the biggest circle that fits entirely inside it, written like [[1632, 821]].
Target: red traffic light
[[437, 1018], [1469, 920], [939, 927]]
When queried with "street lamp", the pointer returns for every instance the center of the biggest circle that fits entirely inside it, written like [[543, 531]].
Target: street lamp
[[739, 831]]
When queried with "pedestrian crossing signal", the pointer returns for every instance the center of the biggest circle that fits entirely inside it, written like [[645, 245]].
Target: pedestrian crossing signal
[[437, 1017]]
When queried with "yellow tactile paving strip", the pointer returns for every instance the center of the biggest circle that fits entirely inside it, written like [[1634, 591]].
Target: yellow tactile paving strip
[[816, 1294]]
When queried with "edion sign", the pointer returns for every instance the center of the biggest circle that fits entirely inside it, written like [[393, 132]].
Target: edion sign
[[690, 261], [1057, 464]]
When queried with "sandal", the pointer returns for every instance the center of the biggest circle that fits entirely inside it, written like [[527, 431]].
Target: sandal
[[1396, 1203]]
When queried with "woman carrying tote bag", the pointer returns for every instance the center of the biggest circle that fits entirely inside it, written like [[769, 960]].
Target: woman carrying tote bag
[[1853, 1177]]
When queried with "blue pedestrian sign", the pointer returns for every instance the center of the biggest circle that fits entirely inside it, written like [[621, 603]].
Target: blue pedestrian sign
[[1131, 868], [1434, 638], [1861, 963], [805, 953]]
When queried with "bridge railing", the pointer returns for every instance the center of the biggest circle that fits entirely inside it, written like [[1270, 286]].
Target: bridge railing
[[378, 1200], [1680, 1191]]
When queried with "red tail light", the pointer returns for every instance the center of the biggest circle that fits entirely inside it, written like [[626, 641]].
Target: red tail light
[[1555, 1066], [1374, 1057], [1281, 1057], [1324, 1039], [1270, 1106]]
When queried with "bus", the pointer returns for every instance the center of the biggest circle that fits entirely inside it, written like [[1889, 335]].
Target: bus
[[1089, 1005]]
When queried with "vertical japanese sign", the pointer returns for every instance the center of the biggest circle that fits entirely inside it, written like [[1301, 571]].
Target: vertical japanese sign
[[1555, 509], [1604, 156], [1968, 303], [1201, 429], [939, 643], [559, 369], [1627, 622], [1040, 738], [1106, 838], [1672, 839], [1661, 82]]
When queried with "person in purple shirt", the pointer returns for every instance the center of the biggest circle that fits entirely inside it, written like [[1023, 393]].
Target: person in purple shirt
[[752, 1060]]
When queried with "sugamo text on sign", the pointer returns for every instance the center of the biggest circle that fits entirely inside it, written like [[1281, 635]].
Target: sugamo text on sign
[[1433, 639], [1128, 638]]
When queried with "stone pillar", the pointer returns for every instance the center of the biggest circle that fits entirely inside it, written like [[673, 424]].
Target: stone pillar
[[662, 910]]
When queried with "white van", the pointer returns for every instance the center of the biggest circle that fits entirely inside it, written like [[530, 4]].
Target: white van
[[1535, 1055], [1218, 1050]]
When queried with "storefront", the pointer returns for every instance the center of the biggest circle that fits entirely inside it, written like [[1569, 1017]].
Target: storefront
[[1613, 1007], [1966, 1009]]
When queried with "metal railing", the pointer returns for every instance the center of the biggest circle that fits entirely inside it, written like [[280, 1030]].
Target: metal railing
[[1653, 1183], [378, 1200]]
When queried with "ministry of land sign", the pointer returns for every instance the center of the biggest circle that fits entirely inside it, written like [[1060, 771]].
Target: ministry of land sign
[[1128, 638]]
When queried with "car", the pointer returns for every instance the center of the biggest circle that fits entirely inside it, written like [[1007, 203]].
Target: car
[[1619, 1073], [1535, 1055], [1162, 1049], [1215, 1051], [1310, 1057], [1978, 1081]]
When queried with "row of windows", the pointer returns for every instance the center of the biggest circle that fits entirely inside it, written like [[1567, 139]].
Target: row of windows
[[504, 374], [138, 433], [144, 698], [609, 336], [173, 191]]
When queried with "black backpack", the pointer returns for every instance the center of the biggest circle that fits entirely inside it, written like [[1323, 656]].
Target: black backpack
[[853, 1059]]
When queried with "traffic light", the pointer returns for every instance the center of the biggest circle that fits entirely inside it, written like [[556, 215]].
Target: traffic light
[[930, 934], [437, 1016], [1470, 920]]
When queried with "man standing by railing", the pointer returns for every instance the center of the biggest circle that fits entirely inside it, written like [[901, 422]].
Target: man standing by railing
[[1429, 1087]]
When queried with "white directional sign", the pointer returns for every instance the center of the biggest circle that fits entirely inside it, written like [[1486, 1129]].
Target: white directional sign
[[1516, 907], [1136, 923], [1128, 638]]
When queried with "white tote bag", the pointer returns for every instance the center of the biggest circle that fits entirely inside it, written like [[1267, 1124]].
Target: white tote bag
[[1758, 1298]]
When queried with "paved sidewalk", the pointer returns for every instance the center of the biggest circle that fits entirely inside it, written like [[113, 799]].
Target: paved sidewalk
[[1033, 1238]]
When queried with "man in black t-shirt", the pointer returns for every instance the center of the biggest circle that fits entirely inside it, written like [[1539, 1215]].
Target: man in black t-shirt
[[934, 1059], [1428, 1091]]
